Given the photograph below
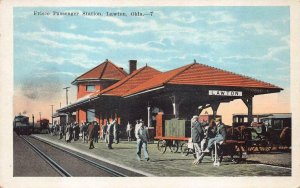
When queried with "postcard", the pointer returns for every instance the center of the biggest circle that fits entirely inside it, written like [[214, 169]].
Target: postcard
[[149, 94]]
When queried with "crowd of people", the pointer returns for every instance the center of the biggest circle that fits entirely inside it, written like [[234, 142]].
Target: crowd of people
[[90, 132], [204, 135]]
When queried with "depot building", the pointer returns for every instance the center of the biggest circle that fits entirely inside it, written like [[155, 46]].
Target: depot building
[[107, 92]]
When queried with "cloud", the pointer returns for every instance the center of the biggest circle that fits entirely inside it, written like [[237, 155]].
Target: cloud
[[175, 33], [58, 73], [78, 59], [285, 39], [260, 28], [42, 88], [273, 54], [218, 17], [73, 26], [183, 17], [43, 38]]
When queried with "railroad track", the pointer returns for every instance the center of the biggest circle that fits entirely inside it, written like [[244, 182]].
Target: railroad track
[[58, 167]]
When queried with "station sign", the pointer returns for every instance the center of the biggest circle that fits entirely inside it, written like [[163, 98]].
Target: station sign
[[225, 93]]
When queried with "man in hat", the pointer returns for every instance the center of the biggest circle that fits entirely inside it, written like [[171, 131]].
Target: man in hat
[[142, 136], [220, 135], [110, 134], [90, 131], [96, 131], [197, 136]]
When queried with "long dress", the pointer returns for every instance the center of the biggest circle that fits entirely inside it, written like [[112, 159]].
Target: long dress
[[68, 135]]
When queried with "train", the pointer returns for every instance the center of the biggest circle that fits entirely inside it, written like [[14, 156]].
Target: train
[[22, 126], [42, 126]]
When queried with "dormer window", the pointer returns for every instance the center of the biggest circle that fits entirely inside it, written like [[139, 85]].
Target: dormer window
[[90, 88]]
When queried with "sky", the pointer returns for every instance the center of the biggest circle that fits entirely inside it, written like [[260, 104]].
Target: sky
[[50, 51]]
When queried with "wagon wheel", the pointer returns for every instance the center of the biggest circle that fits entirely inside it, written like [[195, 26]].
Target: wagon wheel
[[174, 146], [184, 149], [265, 146], [162, 146]]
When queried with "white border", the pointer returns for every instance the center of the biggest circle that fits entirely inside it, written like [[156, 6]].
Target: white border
[[6, 96]]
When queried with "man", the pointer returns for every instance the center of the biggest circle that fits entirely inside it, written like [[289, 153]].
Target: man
[[220, 135], [141, 134], [96, 131], [128, 131], [69, 133], [85, 129], [116, 132], [77, 131], [104, 130], [90, 131], [110, 134], [197, 136]]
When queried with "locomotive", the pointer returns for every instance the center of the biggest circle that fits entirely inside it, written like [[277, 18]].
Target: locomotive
[[21, 125]]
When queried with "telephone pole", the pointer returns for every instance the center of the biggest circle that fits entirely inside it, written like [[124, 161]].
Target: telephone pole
[[66, 88], [52, 113]]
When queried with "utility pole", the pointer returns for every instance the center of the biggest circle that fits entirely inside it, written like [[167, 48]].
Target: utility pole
[[40, 116], [52, 113], [32, 120], [66, 88]]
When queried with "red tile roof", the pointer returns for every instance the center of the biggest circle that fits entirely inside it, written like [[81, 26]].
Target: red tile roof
[[106, 70], [138, 77], [200, 75]]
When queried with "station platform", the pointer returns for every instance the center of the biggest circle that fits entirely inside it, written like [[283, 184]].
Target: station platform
[[174, 164]]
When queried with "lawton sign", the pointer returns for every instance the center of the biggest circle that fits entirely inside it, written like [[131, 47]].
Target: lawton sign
[[225, 93]]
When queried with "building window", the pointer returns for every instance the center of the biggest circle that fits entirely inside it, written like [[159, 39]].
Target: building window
[[278, 124], [90, 115], [90, 87], [255, 120], [241, 120]]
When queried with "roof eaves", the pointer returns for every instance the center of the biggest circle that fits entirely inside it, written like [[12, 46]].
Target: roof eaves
[[145, 91]]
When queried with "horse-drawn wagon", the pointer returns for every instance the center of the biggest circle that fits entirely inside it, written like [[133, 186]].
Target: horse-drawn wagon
[[175, 134]]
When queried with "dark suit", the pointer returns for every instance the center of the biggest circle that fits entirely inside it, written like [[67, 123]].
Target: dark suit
[[220, 135], [197, 132], [197, 136], [91, 135]]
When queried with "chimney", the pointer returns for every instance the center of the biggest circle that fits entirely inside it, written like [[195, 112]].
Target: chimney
[[132, 65]]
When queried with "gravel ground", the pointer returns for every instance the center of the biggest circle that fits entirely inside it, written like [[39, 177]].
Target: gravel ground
[[174, 164], [273, 158], [27, 163]]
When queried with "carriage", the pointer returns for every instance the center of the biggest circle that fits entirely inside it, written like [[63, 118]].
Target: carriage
[[266, 133], [42, 126], [174, 133]]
